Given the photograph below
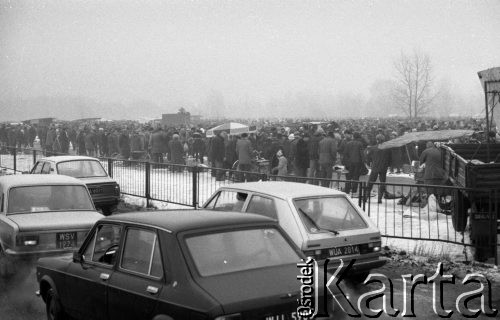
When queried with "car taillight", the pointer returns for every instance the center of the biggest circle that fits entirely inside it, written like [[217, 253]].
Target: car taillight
[[375, 246], [117, 189], [31, 240], [236, 316]]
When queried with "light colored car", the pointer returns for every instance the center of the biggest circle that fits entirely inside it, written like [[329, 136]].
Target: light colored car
[[104, 190], [42, 215], [323, 222]]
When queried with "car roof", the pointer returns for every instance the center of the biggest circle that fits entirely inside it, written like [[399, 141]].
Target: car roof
[[67, 158], [16, 180], [285, 190], [183, 220]]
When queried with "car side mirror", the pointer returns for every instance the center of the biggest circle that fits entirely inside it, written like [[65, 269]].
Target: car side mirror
[[77, 257]]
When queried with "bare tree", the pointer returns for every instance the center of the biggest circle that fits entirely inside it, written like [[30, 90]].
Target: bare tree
[[413, 89]]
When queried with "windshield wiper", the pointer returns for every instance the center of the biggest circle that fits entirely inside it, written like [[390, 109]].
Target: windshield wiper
[[311, 220]]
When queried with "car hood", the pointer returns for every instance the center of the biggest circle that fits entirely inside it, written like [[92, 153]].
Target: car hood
[[92, 180], [253, 289], [55, 220]]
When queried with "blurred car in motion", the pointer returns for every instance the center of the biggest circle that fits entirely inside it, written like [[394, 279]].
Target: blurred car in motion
[[176, 265], [42, 215], [104, 190], [323, 222]]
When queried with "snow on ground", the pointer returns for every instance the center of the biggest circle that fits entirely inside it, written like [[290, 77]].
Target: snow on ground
[[392, 218]]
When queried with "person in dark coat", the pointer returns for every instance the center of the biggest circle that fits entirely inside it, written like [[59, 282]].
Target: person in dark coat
[[434, 173], [218, 152], [91, 143], [244, 153], [80, 142], [314, 154], [353, 160], [157, 145], [230, 155], [198, 147], [301, 159], [113, 145], [177, 152], [380, 160], [49, 140], [64, 140], [124, 144], [327, 150]]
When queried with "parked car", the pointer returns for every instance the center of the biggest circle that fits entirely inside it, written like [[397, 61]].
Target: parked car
[[42, 215], [104, 190], [323, 222], [175, 265]]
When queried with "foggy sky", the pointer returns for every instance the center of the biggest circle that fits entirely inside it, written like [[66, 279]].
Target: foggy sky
[[183, 52]]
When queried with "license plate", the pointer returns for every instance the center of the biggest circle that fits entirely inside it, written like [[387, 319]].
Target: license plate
[[282, 316], [344, 251], [66, 240], [96, 190]]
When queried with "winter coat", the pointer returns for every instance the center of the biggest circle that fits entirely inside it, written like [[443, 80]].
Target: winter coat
[[90, 141], [51, 136], [158, 142], [113, 144], [176, 151], [218, 149], [327, 150], [244, 151], [314, 147], [353, 153], [137, 142], [124, 145], [282, 168], [380, 159], [302, 156], [230, 151], [433, 173]]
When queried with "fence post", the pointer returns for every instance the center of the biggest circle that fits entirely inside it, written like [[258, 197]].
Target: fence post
[[15, 159], [34, 156], [360, 193], [148, 178], [110, 167], [195, 186]]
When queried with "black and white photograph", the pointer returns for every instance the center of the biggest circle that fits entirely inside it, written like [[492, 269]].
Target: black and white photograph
[[249, 159]]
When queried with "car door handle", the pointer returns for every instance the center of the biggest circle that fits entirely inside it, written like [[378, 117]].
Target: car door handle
[[104, 276], [152, 290]]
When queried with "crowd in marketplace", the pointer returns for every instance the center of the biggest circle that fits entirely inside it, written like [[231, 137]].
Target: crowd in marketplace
[[300, 148]]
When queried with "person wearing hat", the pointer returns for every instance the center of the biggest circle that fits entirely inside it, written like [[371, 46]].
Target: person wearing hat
[[379, 160]]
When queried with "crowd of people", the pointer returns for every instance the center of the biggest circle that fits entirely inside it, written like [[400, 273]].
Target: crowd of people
[[299, 148]]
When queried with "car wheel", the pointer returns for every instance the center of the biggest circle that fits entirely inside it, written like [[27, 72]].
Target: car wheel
[[53, 306], [108, 210], [459, 209]]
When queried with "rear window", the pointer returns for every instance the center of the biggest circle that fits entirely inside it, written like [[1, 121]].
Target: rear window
[[48, 198], [329, 214], [81, 168], [231, 251]]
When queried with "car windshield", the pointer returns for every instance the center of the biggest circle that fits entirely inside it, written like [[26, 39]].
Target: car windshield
[[232, 251], [81, 168], [48, 198], [329, 214]]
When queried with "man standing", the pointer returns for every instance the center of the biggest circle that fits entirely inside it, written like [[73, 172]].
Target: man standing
[[244, 152], [353, 161], [380, 160], [314, 155], [327, 150], [434, 173], [218, 151]]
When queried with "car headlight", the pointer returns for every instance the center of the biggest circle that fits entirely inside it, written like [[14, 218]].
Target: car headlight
[[31, 240], [235, 316]]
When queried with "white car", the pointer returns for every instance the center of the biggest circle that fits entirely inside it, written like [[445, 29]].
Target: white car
[[42, 215], [323, 222]]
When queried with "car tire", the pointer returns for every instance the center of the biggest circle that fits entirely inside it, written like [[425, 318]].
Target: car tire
[[108, 210], [53, 306], [458, 210]]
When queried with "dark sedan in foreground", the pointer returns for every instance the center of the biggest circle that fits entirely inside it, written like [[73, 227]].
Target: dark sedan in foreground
[[176, 265]]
